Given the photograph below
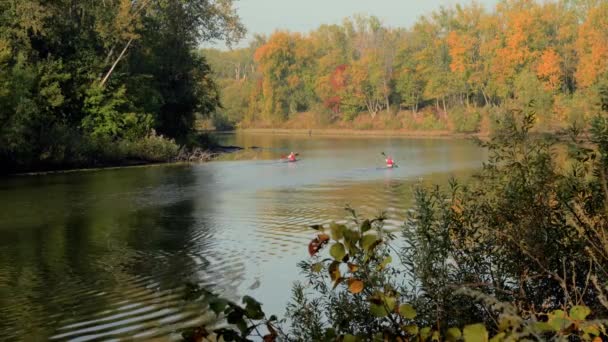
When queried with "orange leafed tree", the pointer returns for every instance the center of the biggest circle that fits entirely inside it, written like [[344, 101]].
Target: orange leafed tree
[[549, 69], [592, 46]]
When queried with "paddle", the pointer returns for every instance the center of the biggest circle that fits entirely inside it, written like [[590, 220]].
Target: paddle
[[394, 165]]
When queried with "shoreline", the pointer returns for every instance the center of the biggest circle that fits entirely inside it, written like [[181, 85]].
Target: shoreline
[[348, 132], [211, 153]]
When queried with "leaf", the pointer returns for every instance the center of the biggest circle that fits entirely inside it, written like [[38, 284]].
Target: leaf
[[579, 312], [390, 302], [385, 262], [410, 329], [475, 333], [365, 226], [316, 267], [236, 317], [407, 311], [269, 338], [317, 227], [337, 231], [352, 267], [253, 308], [453, 334], [425, 333], [559, 320], [226, 334], [218, 305], [323, 237], [378, 310], [559, 323], [369, 241], [337, 251], [591, 330], [349, 338], [272, 336], [317, 243], [338, 282], [498, 338], [351, 237], [355, 286], [334, 270], [542, 327]]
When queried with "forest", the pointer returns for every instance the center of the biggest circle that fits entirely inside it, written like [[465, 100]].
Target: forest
[[85, 83], [459, 69]]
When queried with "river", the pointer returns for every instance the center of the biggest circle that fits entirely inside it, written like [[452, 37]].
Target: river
[[104, 254]]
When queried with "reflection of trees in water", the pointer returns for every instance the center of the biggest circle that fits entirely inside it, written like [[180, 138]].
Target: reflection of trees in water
[[106, 246]]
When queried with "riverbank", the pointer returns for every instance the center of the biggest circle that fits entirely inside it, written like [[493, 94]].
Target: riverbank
[[197, 155], [355, 132]]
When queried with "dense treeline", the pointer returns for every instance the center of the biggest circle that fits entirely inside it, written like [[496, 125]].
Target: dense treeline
[[450, 70], [85, 82]]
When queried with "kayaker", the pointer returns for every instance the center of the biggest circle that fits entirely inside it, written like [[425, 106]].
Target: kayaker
[[291, 157], [389, 161]]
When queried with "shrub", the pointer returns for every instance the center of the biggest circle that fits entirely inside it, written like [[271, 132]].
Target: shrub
[[464, 120], [153, 148]]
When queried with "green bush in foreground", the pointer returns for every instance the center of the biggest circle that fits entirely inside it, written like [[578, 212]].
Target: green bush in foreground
[[519, 254]]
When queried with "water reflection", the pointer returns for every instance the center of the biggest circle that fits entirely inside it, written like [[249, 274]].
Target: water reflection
[[104, 254]]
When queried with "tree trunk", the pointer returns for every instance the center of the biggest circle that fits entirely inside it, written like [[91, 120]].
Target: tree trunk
[[105, 79]]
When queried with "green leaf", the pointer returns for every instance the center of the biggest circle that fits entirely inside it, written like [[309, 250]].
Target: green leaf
[[475, 333], [218, 305], [591, 329], [498, 338], [390, 302], [236, 317], [425, 333], [580, 312], [365, 226], [385, 262], [337, 230], [369, 241], [226, 334], [407, 311], [542, 327], [453, 334], [559, 323], [330, 334], [351, 237], [349, 338], [559, 320], [337, 251], [378, 337], [378, 310], [253, 308], [410, 329], [316, 267]]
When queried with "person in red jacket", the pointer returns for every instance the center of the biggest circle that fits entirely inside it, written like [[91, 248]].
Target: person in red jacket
[[389, 161]]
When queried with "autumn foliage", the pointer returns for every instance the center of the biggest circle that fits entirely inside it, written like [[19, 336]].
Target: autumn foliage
[[459, 59]]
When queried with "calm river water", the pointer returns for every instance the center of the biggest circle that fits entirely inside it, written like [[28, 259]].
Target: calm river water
[[104, 254]]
